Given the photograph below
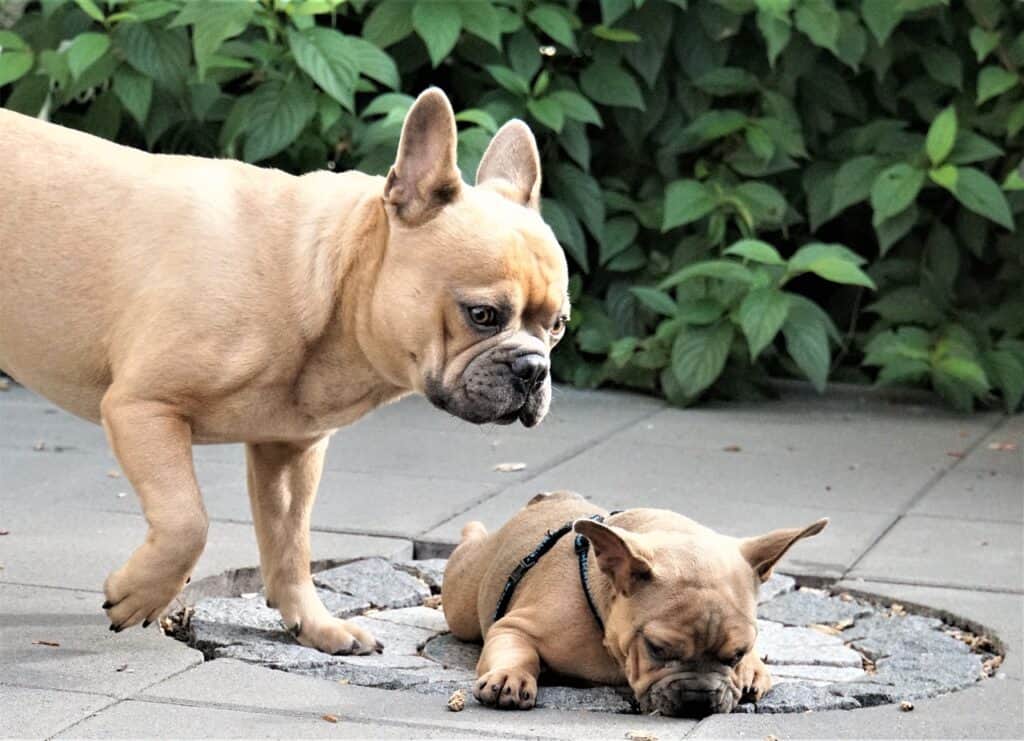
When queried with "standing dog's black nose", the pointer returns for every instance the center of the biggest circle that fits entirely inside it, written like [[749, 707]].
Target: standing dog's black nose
[[530, 369]]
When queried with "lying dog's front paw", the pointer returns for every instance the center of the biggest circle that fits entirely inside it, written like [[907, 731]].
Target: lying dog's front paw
[[335, 636], [141, 590], [752, 678], [510, 689]]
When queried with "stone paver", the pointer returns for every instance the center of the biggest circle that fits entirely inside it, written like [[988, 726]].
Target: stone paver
[[904, 483]]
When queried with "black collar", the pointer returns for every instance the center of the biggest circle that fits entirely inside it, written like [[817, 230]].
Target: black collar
[[582, 549]]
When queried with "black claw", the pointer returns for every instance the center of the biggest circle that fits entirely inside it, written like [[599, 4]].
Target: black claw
[[508, 690], [107, 605], [116, 628], [355, 647], [525, 694], [296, 629], [271, 605], [189, 580], [378, 647], [145, 623]]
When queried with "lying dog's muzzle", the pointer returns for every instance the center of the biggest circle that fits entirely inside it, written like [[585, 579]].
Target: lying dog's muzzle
[[691, 695]]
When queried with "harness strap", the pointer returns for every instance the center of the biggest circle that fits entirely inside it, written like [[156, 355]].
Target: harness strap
[[582, 548]]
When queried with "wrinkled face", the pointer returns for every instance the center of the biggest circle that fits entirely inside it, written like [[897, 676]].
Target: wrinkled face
[[474, 300], [682, 632]]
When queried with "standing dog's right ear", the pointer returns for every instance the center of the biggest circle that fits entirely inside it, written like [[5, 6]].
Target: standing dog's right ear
[[512, 156], [425, 175]]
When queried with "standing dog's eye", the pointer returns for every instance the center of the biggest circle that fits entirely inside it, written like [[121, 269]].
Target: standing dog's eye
[[559, 326], [483, 316]]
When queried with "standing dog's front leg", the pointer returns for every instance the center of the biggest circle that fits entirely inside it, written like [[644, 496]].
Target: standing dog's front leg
[[154, 446], [283, 478]]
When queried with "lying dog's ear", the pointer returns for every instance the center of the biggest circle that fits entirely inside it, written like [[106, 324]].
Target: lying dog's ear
[[425, 175], [512, 156], [764, 551], [619, 555]]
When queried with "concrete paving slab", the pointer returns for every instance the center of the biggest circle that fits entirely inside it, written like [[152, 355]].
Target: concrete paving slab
[[942, 552], [244, 686], [89, 657], [1003, 614], [973, 494], [830, 554], [991, 709], [77, 547], [28, 712], [134, 719], [29, 425], [1002, 450]]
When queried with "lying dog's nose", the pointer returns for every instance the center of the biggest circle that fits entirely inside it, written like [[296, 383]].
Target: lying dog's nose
[[530, 369]]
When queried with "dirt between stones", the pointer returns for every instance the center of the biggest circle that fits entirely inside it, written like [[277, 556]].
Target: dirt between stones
[[825, 651]]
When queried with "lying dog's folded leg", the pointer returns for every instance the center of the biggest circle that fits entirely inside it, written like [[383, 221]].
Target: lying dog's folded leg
[[283, 479], [154, 446], [508, 668], [752, 677]]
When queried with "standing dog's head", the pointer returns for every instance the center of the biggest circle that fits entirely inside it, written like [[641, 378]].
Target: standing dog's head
[[684, 607], [472, 293]]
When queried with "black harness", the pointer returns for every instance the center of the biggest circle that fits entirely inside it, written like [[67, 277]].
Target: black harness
[[582, 548]]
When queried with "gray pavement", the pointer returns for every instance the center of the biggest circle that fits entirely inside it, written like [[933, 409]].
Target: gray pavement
[[927, 508]]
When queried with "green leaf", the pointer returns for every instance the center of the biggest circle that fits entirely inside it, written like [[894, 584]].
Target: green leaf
[[941, 136], [214, 22], [945, 176], [981, 194], [619, 235], [819, 21], [895, 188], [853, 40], [726, 270], [85, 50], [776, 32], [606, 82], [964, 370], [91, 9], [617, 35], [971, 147], [903, 371], [135, 91], [547, 111], [983, 42], [439, 24], [372, 62], [577, 107], [907, 304], [162, 54], [699, 311], [892, 229], [716, 124], [762, 314], [323, 54], [833, 262], [511, 81], [567, 230], [902, 343], [277, 114], [685, 202], [807, 342], [699, 355], [756, 250], [479, 117], [1007, 373], [760, 143], [581, 193], [16, 57], [764, 201], [655, 300], [725, 81], [881, 17], [612, 10], [993, 81], [552, 20], [389, 23], [482, 20], [943, 65], [853, 181]]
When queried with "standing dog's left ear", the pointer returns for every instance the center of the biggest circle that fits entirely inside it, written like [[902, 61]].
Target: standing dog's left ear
[[512, 156], [425, 175]]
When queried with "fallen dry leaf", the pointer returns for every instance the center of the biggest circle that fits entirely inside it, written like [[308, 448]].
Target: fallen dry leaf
[[5, 532], [433, 601], [906, 706], [330, 718], [955, 454], [344, 681], [54, 644], [509, 467], [732, 448], [828, 630], [846, 597], [843, 624], [771, 737], [991, 665], [1002, 446], [457, 701], [39, 446], [121, 668], [641, 736], [114, 473], [898, 609], [4, 384]]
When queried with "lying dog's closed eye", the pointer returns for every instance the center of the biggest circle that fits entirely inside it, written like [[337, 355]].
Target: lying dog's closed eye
[[665, 604], [179, 300]]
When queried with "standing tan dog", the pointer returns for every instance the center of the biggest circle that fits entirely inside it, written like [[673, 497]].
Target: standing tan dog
[[180, 300], [669, 607]]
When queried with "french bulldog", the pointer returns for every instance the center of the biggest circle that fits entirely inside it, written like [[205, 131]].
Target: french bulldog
[[666, 605], [179, 300]]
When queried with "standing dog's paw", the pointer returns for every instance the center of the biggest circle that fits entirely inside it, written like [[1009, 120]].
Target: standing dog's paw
[[141, 589], [335, 636], [510, 689], [752, 678]]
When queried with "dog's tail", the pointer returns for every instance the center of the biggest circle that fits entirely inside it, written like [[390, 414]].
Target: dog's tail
[[473, 531]]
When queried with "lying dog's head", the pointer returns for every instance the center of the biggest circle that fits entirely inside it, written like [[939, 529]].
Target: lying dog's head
[[684, 607], [473, 290]]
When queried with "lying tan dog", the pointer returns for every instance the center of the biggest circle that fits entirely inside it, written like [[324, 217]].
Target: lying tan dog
[[180, 300], [669, 606]]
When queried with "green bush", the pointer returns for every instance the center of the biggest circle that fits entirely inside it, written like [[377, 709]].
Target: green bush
[[734, 180]]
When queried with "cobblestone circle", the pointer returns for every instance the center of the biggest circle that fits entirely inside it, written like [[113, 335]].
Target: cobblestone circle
[[824, 651]]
